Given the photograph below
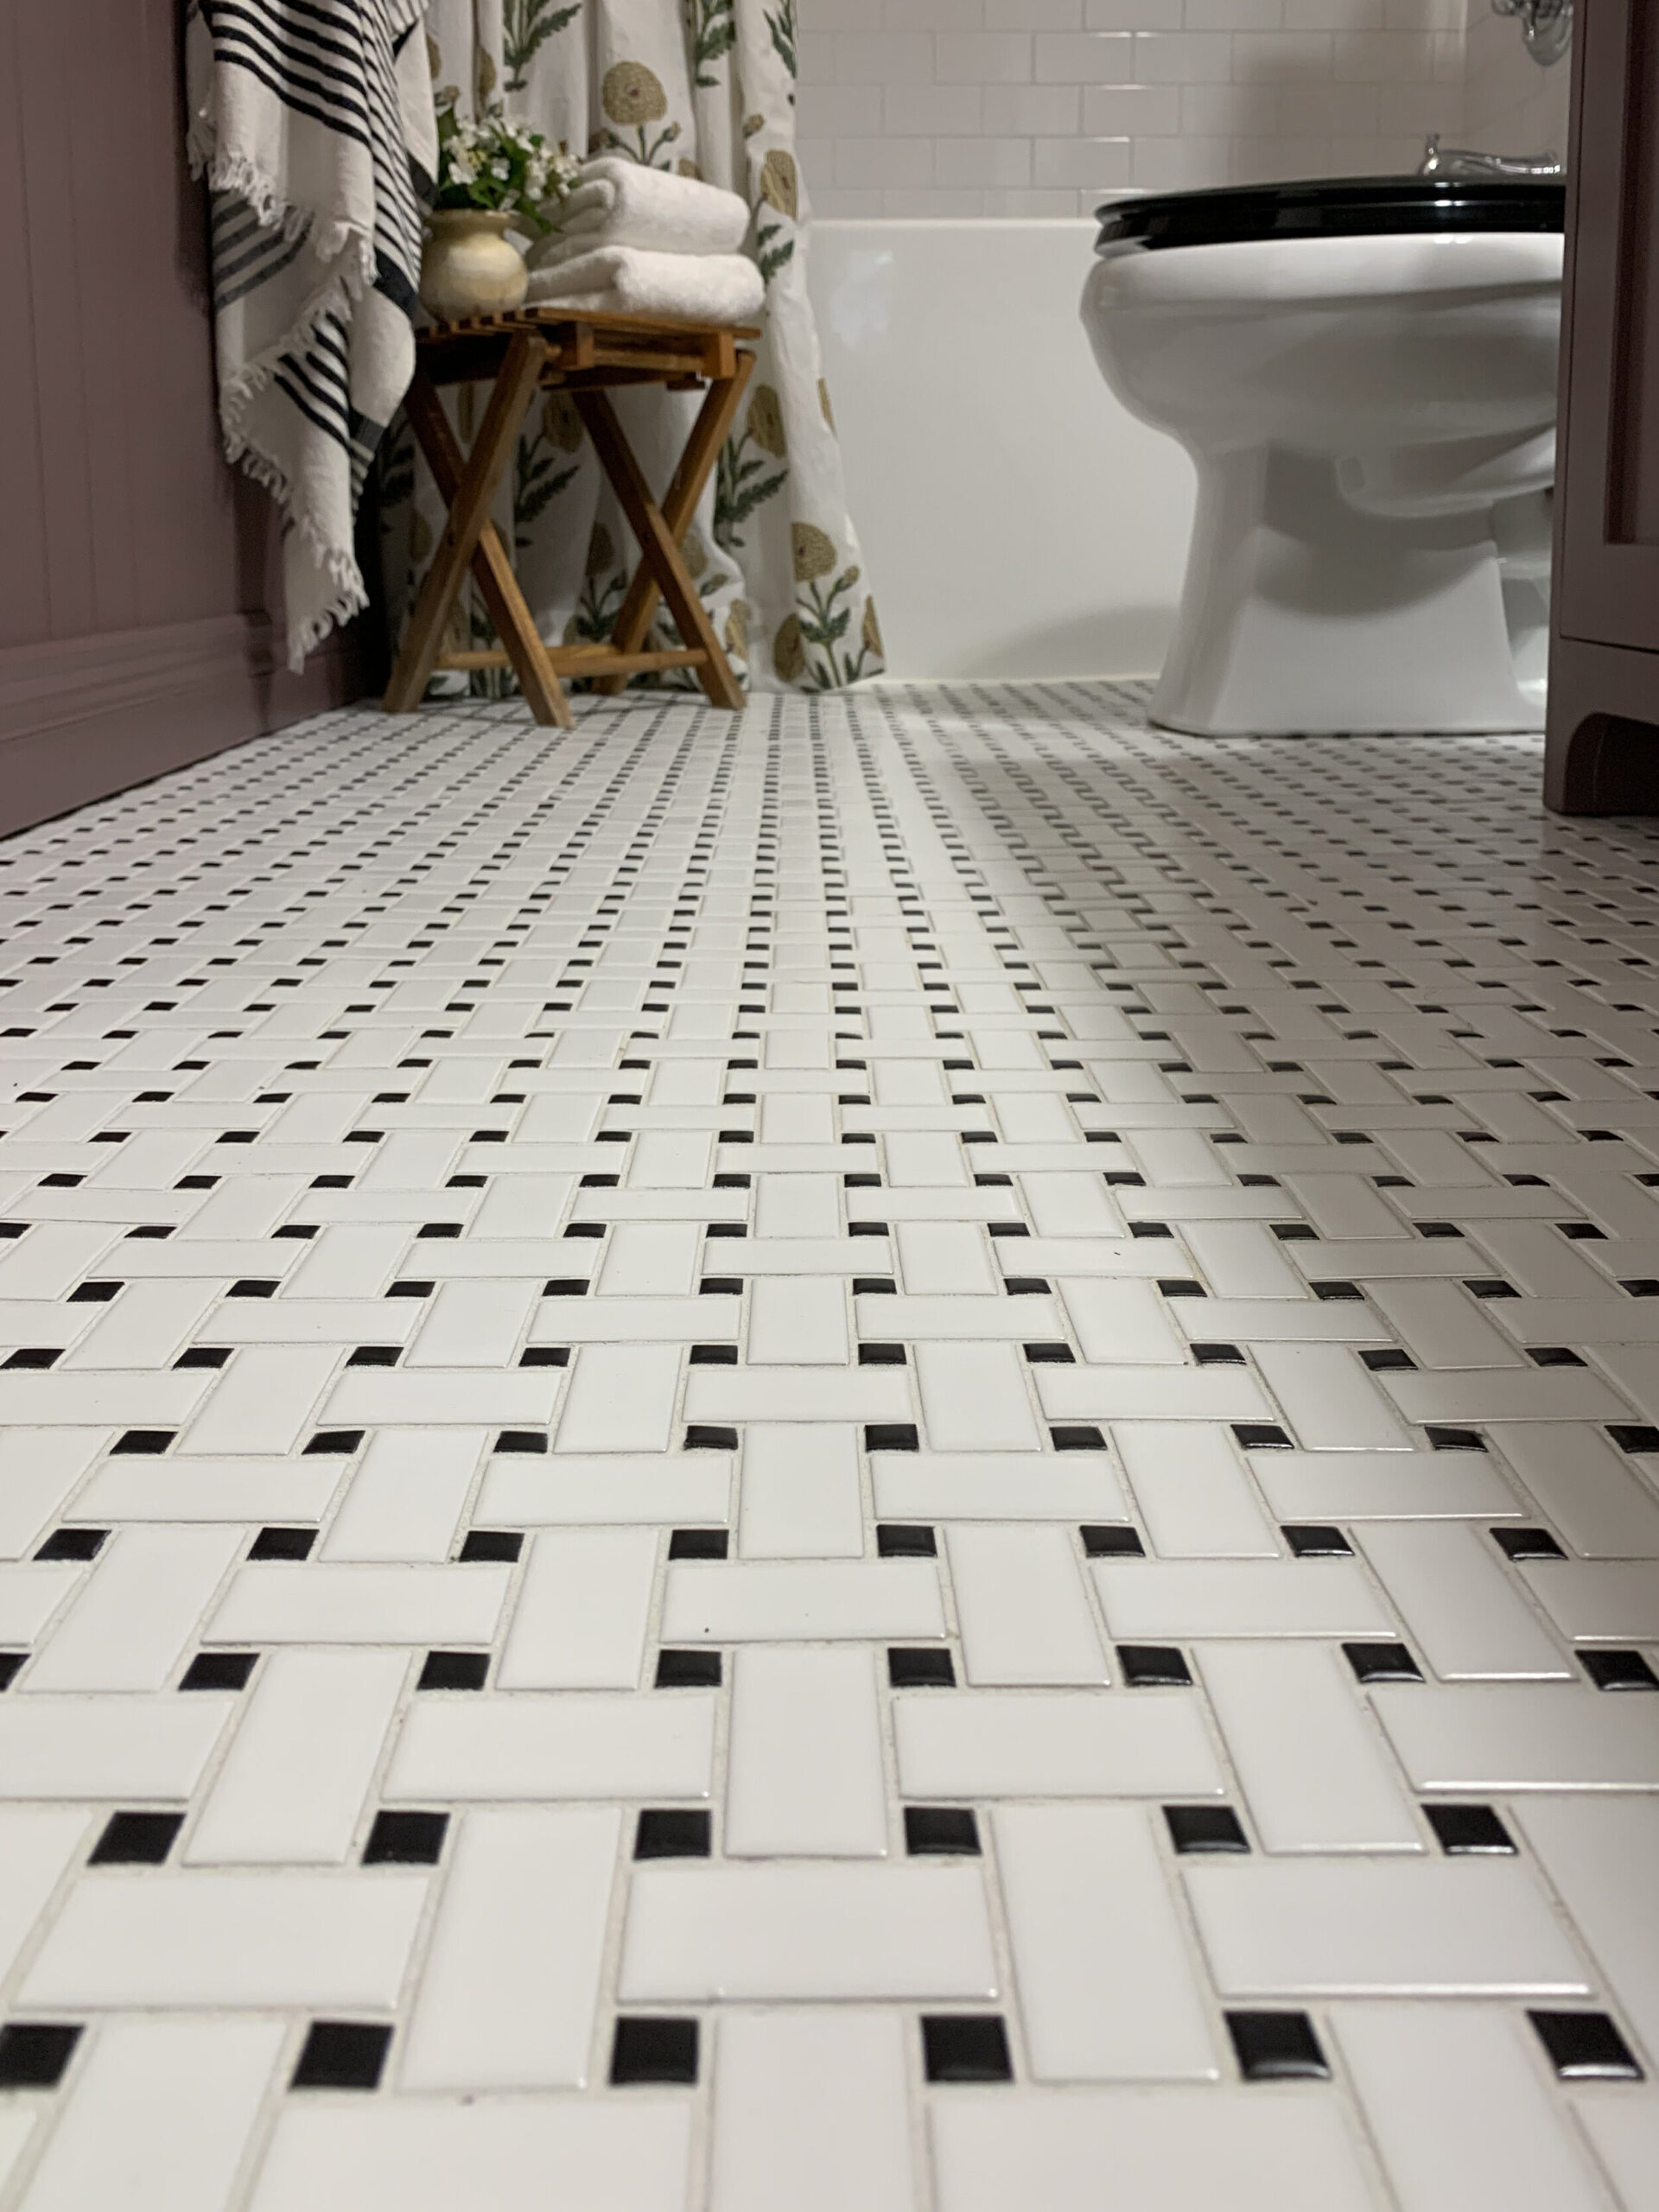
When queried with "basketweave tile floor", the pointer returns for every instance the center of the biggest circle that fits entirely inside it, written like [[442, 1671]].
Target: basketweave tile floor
[[899, 1457]]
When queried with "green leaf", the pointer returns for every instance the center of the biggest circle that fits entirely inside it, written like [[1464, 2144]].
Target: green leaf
[[526, 27], [782, 28]]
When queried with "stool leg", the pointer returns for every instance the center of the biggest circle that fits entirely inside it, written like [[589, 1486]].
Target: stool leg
[[658, 547], [492, 566], [469, 510], [708, 435]]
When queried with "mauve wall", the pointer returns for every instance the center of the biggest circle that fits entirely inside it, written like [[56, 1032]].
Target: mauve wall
[[137, 578], [1039, 107]]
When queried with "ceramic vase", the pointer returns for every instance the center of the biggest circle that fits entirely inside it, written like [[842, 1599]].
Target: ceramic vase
[[468, 267]]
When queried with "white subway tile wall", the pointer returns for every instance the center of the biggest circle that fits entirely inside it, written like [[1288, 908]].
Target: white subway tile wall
[[954, 108]]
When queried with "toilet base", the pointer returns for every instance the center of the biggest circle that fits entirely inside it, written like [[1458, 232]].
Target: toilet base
[[1303, 613]]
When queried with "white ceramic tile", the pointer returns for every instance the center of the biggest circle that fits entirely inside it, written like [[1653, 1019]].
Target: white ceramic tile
[[511, 1984], [620, 1398], [800, 1492], [137, 1610], [1022, 1608], [123, 1746], [1153, 1598], [1107, 1984], [1316, 1771], [1185, 2146], [37, 1844], [1194, 1493], [207, 1940], [1470, 1926], [694, 1933], [784, 2083], [579, 1621], [575, 1745], [804, 1757], [430, 2153], [272, 1602], [293, 1783], [406, 1495], [1450, 2094], [781, 1600], [988, 1743], [160, 2117], [1593, 1851], [1507, 1736]]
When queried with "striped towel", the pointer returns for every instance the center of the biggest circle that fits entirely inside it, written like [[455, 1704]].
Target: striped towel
[[313, 121]]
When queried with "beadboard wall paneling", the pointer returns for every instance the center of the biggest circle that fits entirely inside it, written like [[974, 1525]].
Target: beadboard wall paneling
[[139, 579]]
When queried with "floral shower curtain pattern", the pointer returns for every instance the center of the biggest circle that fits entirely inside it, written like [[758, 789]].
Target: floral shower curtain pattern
[[704, 88]]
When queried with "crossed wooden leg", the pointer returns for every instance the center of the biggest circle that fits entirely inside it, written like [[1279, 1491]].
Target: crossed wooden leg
[[468, 483], [471, 540], [708, 435]]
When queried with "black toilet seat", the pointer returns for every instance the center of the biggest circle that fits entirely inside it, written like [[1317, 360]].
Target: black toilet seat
[[1359, 206]]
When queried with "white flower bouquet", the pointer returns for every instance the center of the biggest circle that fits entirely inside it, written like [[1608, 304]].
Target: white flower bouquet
[[501, 166]]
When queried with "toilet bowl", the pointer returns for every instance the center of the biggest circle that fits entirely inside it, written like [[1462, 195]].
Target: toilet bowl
[[1363, 372]]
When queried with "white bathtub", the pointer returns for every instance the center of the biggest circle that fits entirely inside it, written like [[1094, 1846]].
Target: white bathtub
[[1016, 521]]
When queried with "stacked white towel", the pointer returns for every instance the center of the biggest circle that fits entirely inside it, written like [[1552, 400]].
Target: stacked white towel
[[632, 240], [622, 203], [626, 280]]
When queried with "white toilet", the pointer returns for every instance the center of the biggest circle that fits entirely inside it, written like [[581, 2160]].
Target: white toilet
[[1363, 372]]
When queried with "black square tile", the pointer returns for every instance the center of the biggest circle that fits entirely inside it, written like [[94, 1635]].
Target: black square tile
[[941, 1831], [1470, 1830], [923, 1670], [1313, 1540], [1527, 1543], [672, 1832], [710, 1436], [1202, 1829], [1382, 1662], [455, 1670], [400, 1839], [342, 2055], [688, 1670], [218, 1670], [10, 1667], [1154, 1666], [73, 1543], [136, 1839], [1077, 1436], [699, 1543], [503, 1545], [1618, 1670], [647, 2049], [282, 1543], [1106, 1539], [35, 2053], [1277, 2047], [891, 1436], [965, 2047], [906, 1539], [1586, 2047]]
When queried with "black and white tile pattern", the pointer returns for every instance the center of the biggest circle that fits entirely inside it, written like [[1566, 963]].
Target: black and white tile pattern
[[898, 1454]]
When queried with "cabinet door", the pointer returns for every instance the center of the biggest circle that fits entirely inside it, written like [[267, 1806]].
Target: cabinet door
[[1602, 756], [1609, 581]]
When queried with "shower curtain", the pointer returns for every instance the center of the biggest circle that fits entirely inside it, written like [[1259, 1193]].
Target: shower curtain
[[704, 88]]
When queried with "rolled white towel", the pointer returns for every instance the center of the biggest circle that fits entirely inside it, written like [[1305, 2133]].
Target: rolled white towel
[[623, 280], [620, 202]]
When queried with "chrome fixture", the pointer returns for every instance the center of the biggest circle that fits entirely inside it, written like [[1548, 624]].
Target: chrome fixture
[[1461, 160], [1546, 25]]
